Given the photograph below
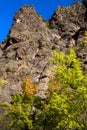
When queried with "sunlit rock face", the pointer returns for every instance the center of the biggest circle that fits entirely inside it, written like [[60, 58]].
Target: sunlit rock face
[[70, 21], [31, 41]]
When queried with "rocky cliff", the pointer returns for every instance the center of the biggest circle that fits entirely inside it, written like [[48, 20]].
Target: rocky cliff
[[31, 41]]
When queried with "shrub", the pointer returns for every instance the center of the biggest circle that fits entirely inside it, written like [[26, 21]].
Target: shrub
[[8, 69], [85, 38], [19, 112], [2, 83], [68, 94]]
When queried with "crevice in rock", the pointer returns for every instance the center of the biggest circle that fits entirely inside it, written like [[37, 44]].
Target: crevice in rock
[[85, 19], [85, 62], [85, 3], [9, 42], [78, 33]]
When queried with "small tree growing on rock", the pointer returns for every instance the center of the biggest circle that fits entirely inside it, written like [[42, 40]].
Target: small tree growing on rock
[[18, 114], [67, 106]]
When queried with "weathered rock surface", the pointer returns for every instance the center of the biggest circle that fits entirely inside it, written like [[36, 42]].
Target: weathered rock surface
[[71, 21], [30, 42]]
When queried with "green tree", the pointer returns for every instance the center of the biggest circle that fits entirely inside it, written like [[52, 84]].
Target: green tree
[[67, 106], [18, 115]]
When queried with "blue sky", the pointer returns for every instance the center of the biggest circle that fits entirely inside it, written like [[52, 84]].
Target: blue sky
[[8, 8]]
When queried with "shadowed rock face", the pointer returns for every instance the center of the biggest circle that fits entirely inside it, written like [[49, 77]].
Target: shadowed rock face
[[30, 42]]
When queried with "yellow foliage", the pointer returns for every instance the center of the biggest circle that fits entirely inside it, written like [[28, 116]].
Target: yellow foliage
[[2, 83], [85, 38], [29, 88], [54, 85]]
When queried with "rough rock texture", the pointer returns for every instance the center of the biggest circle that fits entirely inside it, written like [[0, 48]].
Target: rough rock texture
[[30, 42], [71, 21]]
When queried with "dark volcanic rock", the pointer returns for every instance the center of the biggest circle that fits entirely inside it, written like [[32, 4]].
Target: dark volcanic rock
[[30, 42]]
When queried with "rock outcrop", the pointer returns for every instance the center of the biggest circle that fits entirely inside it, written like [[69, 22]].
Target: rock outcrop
[[30, 42], [70, 21]]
